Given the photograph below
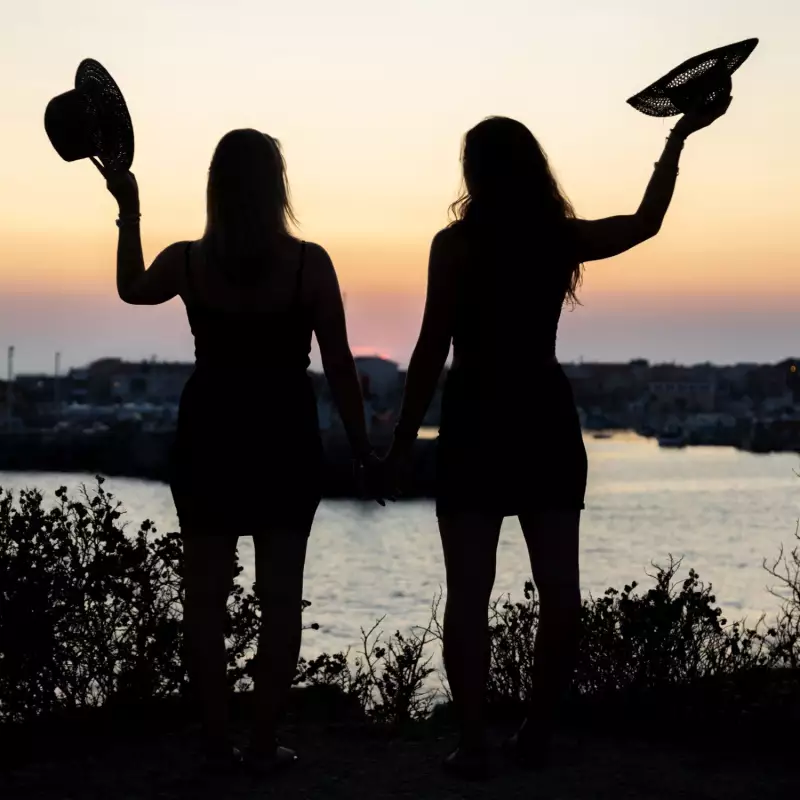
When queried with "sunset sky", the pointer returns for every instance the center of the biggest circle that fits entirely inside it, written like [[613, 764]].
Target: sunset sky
[[370, 100]]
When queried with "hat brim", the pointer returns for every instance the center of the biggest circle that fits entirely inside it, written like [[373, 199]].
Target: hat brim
[[111, 129], [699, 81]]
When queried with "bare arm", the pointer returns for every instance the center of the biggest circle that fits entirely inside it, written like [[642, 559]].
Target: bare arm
[[433, 345], [147, 287], [604, 238], [337, 360], [135, 284]]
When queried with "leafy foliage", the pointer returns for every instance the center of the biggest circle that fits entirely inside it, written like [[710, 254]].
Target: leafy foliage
[[90, 614]]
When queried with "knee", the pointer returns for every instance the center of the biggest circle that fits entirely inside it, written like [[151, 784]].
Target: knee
[[562, 598], [470, 603], [471, 591]]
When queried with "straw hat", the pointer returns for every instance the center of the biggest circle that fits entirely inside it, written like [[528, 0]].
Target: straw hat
[[91, 120], [698, 82]]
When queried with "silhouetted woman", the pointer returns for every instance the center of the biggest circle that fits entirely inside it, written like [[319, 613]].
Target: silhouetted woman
[[247, 453], [510, 440]]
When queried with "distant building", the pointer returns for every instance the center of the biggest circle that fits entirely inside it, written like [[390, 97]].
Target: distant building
[[792, 371], [380, 377], [150, 382], [39, 389], [684, 395], [76, 386], [780, 404], [114, 381]]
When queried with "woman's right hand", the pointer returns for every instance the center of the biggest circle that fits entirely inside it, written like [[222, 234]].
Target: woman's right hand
[[125, 190], [372, 480], [694, 121]]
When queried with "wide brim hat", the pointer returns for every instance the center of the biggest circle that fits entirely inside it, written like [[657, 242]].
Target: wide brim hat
[[91, 120], [699, 82]]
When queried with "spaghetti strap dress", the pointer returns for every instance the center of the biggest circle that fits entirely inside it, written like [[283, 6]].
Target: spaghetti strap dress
[[247, 455], [510, 440]]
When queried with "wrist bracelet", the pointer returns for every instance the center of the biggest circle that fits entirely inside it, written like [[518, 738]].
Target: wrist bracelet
[[128, 219], [657, 164], [676, 136]]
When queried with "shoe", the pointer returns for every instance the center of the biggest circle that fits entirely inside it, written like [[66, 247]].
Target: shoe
[[471, 765]]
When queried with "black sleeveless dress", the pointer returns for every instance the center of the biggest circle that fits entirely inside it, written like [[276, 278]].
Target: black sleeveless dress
[[247, 454], [510, 438]]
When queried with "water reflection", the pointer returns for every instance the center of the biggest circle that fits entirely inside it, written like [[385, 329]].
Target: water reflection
[[722, 510]]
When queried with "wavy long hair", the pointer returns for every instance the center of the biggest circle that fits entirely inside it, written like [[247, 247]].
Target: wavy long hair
[[248, 208], [508, 182]]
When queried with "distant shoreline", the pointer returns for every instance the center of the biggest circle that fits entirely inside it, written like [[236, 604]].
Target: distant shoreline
[[144, 456]]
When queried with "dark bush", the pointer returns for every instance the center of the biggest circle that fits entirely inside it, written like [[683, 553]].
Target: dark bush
[[90, 615], [670, 635], [785, 635]]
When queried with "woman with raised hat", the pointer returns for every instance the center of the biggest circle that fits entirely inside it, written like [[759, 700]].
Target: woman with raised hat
[[510, 440], [248, 456]]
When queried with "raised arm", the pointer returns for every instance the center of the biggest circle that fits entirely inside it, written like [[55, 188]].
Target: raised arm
[[604, 238], [330, 328], [135, 284], [433, 345]]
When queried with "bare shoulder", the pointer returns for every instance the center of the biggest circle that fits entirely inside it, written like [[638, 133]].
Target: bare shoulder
[[319, 272], [449, 238], [175, 252], [318, 261], [448, 249], [317, 256]]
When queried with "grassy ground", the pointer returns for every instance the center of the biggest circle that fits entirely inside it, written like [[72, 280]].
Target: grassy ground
[[350, 764], [126, 759]]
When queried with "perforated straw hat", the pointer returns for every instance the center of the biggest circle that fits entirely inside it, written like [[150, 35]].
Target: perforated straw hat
[[698, 82], [91, 120]]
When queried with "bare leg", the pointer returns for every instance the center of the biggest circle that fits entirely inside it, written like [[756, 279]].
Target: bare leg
[[552, 539], [209, 561], [469, 541], [280, 559]]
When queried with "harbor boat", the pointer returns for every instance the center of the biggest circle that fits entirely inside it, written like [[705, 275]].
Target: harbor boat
[[672, 437]]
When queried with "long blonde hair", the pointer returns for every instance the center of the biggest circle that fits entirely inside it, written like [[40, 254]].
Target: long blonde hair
[[507, 179], [248, 210]]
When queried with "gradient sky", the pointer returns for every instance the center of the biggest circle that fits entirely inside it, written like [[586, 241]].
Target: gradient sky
[[370, 100]]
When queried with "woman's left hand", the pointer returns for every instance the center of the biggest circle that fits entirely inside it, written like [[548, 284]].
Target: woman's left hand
[[371, 477], [693, 121], [125, 191]]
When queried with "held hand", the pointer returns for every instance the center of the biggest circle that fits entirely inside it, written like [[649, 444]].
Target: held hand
[[125, 191], [694, 121], [371, 479]]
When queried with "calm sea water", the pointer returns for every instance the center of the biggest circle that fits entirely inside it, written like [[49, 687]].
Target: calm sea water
[[720, 510]]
